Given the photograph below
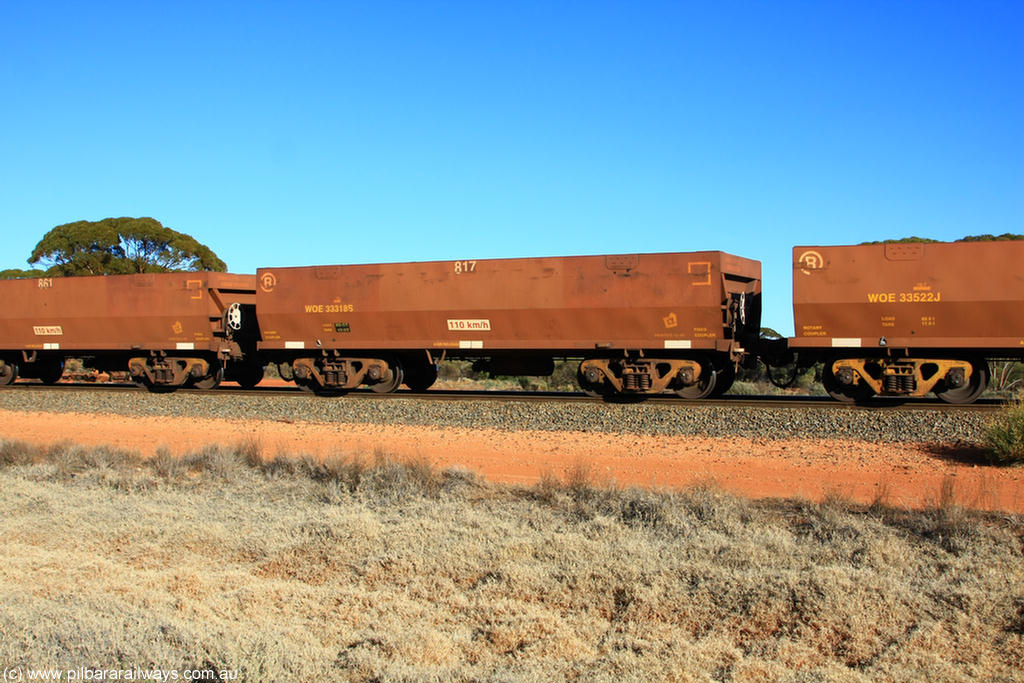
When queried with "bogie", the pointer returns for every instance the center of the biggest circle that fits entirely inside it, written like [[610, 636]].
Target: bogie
[[954, 380], [641, 376]]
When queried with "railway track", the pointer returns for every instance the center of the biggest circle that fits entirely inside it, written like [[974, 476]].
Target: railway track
[[762, 418], [774, 402]]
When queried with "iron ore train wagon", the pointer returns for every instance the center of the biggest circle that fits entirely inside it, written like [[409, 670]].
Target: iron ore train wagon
[[897, 319], [166, 329], [906, 319], [641, 323]]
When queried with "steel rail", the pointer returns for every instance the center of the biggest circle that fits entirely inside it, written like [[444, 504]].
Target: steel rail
[[767, 401]]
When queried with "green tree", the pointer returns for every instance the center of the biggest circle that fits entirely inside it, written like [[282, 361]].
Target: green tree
[[1005, 237], [116, 246], [15, 273]]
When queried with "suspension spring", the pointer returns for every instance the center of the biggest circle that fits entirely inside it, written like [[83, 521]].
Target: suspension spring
[[335, 377], [899, 384], [636, 381]]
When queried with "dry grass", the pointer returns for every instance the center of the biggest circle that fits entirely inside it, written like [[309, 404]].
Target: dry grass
[[364, 569]]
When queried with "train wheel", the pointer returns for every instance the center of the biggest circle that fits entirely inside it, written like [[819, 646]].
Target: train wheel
[[969, 392], [594, 389], [390, 381], [723, 380], [212, 380], [8, 373], [844, 393], [50, 371], [705, 385], [248, 375], [419, 378]]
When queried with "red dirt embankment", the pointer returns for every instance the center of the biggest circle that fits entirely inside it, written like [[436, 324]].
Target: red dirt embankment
[[905, 475]]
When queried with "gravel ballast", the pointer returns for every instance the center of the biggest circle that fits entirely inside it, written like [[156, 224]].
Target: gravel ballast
[[888, 425]]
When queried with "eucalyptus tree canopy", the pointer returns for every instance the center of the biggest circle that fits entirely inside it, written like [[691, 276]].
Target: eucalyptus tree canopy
[[15, 273], [1005, 237], [115, 246]]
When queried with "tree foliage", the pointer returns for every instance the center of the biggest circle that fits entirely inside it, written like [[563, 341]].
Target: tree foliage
[[115, 246], [16, 273], [1005, 237]]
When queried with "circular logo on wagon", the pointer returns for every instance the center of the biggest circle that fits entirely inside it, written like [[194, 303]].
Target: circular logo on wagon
[[268, 281], [810, 261]]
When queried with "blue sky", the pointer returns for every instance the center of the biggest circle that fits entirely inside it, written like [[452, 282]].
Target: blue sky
[[294, 133]]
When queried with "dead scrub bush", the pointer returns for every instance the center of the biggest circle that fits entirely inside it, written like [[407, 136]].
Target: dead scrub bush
[[250, 451], [13, 453], [586, 500], [224, 464], [166, 465], [381, 478], [71, 460], [392, 481]]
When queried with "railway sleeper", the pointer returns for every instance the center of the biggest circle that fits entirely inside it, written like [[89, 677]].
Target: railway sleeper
[[638, 375], [167, 372], [902, 377], [348, 373]]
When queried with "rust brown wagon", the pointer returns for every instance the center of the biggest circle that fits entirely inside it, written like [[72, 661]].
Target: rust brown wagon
[[167, 329], [906, 319], [640, 323]]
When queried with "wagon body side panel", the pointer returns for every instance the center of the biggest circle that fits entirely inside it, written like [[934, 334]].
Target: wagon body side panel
[[570, 304], [120, 312], [930, 295]]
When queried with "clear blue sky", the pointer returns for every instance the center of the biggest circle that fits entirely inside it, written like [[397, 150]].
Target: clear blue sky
[[295, 133]]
